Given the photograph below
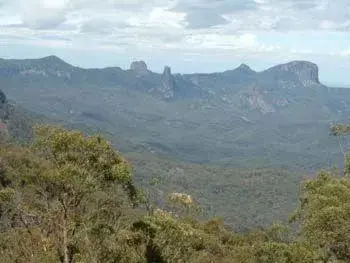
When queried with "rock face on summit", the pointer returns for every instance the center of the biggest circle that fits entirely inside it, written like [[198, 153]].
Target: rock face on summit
[[2, 98], [168, 83], [244, 68], [200, 117], [140, 67], [264, 92], [306, 72]]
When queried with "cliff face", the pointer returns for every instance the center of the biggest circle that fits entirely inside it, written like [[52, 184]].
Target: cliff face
[[200, 117], [168, 84], [139, 67], [265, 92], [303, 71], [2, 98]]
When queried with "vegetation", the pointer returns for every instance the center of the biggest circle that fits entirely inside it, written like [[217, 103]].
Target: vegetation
[[271, 194], [14, 122], [244, 198], [68, 197], [238, 118]]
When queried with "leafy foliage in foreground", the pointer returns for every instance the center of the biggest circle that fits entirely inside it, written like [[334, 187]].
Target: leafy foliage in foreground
[[71, 198]]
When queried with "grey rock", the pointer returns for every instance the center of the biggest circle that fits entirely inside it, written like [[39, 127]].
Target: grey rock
[[140, 67]]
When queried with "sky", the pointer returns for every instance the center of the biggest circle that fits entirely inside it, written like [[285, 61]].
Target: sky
[[188, 35]]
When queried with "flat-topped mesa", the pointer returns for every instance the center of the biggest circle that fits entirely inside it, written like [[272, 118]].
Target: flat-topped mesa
[[139, 67], [307, 72]]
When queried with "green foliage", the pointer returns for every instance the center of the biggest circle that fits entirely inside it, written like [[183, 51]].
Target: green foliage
[[285, 253], [71, 198], [70, 190], [244, 198], [325, 215], [86, 163], [340, 129]]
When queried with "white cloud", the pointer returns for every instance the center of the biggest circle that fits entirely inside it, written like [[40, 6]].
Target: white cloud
[[176, 27], [43, 13], [345, 53]]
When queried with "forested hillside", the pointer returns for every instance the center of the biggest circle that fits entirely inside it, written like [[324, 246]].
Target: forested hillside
[[69, 197], [271, 193], [14, 122], [276, 118]]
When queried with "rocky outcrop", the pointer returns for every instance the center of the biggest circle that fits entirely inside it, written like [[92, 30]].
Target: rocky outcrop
[[2, 98], [139, 67], [254, 99], [304, 71], [168, 83], [244, 68]]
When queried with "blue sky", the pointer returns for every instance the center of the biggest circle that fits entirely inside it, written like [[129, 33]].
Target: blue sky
[[188, 35]]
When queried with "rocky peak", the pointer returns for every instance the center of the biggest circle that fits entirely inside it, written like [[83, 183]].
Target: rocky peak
[[242, 70], [52, 62], [244, 67], [139, 67], [2, 98], [53, 59], [168, 83], [307, 72], [167, 71]]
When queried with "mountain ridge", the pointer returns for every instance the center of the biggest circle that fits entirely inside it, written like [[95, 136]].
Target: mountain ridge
[[222, 117], [169, 87], [142, 65]]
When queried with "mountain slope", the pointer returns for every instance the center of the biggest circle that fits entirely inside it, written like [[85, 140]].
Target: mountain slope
[[275, 118], [14, 122]]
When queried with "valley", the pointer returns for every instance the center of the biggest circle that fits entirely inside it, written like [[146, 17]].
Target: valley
[[231, 139]]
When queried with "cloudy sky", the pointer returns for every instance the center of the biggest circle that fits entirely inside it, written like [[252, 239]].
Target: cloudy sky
[[188, 35]]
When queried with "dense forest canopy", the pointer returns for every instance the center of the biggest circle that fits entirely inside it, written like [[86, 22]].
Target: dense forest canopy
[[68, 197]]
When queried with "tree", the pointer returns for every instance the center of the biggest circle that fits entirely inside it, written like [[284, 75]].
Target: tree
[[76, 189], [325, 216]]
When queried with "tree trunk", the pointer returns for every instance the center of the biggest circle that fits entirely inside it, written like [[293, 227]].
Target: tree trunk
[[65, 250], [65, 242]]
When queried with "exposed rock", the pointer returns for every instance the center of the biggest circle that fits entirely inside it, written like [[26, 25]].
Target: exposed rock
[[306, 72], [167, 71], [253, 99], [2, 98], [28, 72], [245, 68], [281, 102], [168, 83], [140, 67]]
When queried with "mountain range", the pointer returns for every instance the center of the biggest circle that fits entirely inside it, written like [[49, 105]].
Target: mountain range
[[203, 134], [240, 117]]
